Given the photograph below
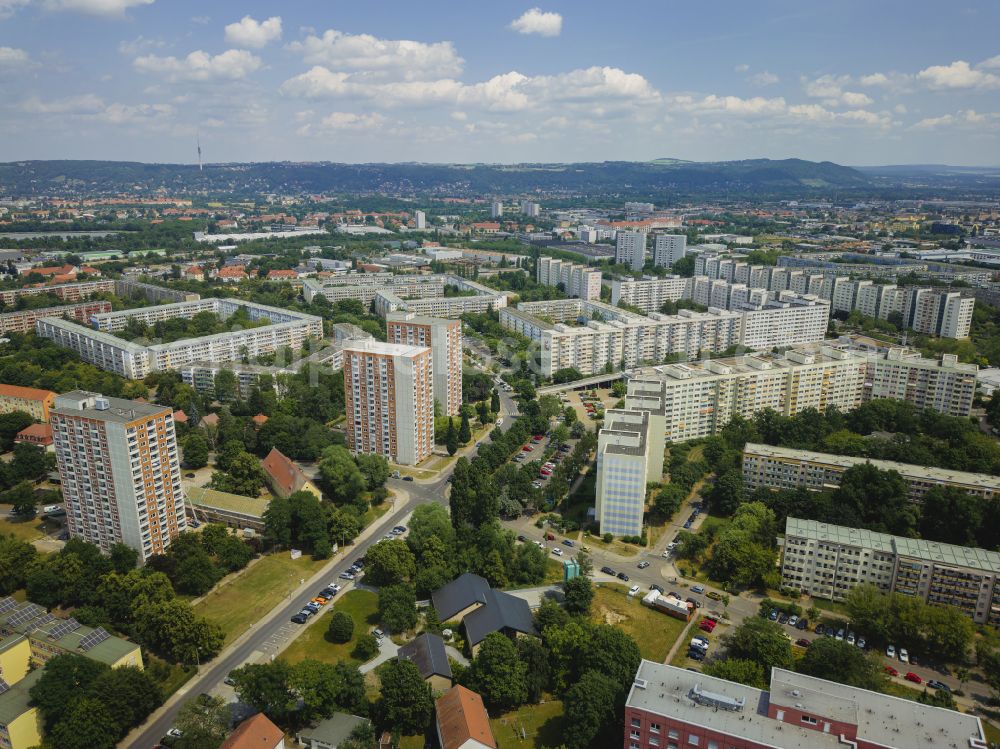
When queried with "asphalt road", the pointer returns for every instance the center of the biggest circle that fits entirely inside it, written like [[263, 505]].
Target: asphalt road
[[211, 676]]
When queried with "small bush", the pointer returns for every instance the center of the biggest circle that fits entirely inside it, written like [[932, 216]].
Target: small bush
[[367, 648], [341, 627]]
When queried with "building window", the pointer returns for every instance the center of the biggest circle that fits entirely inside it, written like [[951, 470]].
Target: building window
[[809, 719], [693, 740]]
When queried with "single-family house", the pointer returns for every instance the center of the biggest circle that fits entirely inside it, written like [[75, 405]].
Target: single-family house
[[470, 600], [257, 732], [285, 477], [330, 733], [462, 721], [427, 653]]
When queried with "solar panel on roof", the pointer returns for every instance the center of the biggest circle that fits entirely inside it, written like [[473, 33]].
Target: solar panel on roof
[[63, 628], [4, 686], [7, 604], [41, 621], [26, 614], [96, 637]]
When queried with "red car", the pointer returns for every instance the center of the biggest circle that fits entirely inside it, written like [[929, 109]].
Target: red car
[[706, 625], [803, 642], [910, 676], [537, 438], [526, 448], [891, 671]]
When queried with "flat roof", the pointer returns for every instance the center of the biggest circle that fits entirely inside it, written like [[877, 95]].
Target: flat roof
[[80, 403], [943, 475], [251, 507], [373, 346], [838, 534], [17, 700], [625, 423]]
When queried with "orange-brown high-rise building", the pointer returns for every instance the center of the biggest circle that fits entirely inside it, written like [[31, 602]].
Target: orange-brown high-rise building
[[389, 400], [120, 471], [444, 338]]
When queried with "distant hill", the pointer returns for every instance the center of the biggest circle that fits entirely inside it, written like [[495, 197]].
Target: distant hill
[[614, 177]]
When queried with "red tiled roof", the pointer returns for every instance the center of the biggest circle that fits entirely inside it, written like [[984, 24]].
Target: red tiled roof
[[288, 476], [254, 733], [17, 391], [461, 716], [36, 433], [54, 270], [259, 420], [180, 417], [282, 274], [210, 419]]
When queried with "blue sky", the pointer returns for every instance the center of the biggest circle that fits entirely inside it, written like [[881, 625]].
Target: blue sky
[[851, 81]]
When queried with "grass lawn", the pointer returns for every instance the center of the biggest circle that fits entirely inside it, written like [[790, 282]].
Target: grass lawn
[[542, 725], [412, 742], [655, 632], [28, 530], [992, 732], [374, 512], [237, 604], [362, 605]]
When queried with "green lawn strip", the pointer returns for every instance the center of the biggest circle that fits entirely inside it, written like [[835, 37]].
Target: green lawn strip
[[374, 512], [250, 596], [653, 631], [540, 725], [28, 530], [362, 605]]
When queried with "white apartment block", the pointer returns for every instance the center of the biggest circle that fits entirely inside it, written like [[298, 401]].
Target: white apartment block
[[623, 453], [784, 468], [389, 400], [419, 220], [365, 289], [530, 209], [119, 470], [630, 249], [650, 294], [828, 561], [444, 338], [135, 361], [578, 280], [496, 209], [668, 249], [938, 312], [944, 384], [439, 306], [787, 321]]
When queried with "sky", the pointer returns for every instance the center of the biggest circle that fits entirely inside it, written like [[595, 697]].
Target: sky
[[856, 82]]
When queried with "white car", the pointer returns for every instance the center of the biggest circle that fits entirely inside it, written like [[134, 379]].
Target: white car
[[890, 652], [557, 551], [793, 620], [633, 590], [540, 545], [850, 638], [699, 642], [335, 587], [904, 656]]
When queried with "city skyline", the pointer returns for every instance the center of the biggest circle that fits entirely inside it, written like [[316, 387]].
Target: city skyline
[[146, 80]]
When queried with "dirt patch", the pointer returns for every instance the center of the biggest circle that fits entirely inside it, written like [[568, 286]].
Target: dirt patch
[[611, 617]]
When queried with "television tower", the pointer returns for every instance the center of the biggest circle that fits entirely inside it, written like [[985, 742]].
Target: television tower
[[200, 168]]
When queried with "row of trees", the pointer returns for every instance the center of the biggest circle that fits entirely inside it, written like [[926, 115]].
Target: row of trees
[[109, 591]]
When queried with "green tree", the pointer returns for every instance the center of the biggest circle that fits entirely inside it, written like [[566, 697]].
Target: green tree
[[495, 402], [590, 708], [430, 526], [23, 500], [406, 702], [65, 680], [366, 647], [244, 476], [172, 628], [16, 558], [343, 478], [727, 493], [31, 461], [195, 450], [226, 385], [578, 595], [129, 694], [86, 724], [464, 431], [123, 558], [389, 562], [451, 437], [499, 674], [375, 469], [341, 627], [267, 688], [318, 685], [10, 424], [203, 722], [570, 414], [761, 641], [739, 670], [950, 515], [838, 661], [397, 607]]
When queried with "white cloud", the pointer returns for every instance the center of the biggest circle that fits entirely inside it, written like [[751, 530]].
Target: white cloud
[[139, 45], [82, 104], [776, 110], [992, 63], [741, 68], [233, 64], [345, 121], [728, 105], [400, 58], [254, 34], [12, 57], [537, 21], [9, 7], [957, 75], [830, 88], [110, 8], [968, 119], [764, 78]]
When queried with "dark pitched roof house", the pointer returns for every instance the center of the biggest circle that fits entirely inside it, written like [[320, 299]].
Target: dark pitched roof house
[[491, 610], [427, 652], [462, 720]]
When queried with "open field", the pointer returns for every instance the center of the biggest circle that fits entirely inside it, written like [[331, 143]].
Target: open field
[[541, 725], [237, 604], [362, 605], [653, 631]]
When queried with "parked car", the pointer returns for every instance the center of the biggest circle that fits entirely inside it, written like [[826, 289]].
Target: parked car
[[699, 642], [890, 652], [802, 642], [697, 589], [300, 618], [891, 671], [850, 638], [557, 551], [862, 643], [633, 590], [346, 575], [820, 629], [608, 571], [783, 618], [379, 634], [687, 525], [793, 620], [521, 538], [399, 529], [773, 616], [935, 684], [713, 595], [229, 681], [910, 676], [407, 478], [623, 576], [567, 542], [839, 635], [696, 655], [802, 624], [657, 588], [904, 657]]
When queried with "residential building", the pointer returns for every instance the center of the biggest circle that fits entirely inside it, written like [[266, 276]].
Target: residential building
[[35, 434], [462, 721], [24, 321], [231, 510], [201, 375], [577, 280], [444, 338], [623, 463], [668, 249], [530, 209], [69, 292], [787, 321], [496, 209], [938, 312], [256, 732], [630, 249], [828, 561], [786, 468], [119, 471], [20, 720], [481, 610], [330, 733], [419, 220], [944, 384], [651, 293], [285, 477], [670, 707], [32, 401], [427, 652], [387, 301], [389, 400]]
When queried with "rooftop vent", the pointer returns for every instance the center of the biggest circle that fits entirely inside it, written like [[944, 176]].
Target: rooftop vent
[[101, 403], [641, 683]]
